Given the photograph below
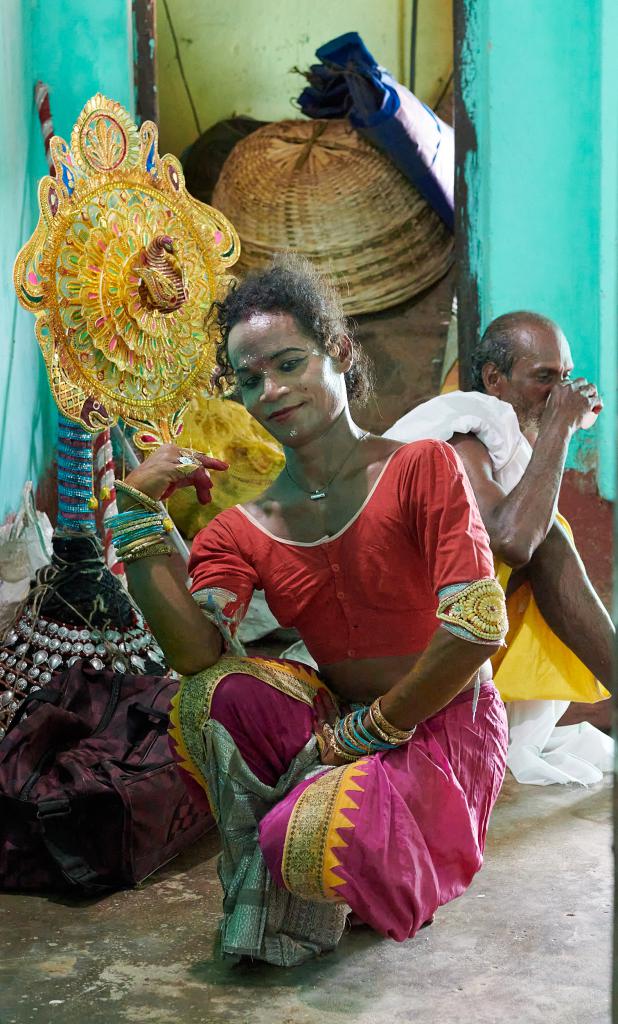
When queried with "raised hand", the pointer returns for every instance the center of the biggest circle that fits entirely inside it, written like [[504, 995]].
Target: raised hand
[[576, 401], [170, 467]]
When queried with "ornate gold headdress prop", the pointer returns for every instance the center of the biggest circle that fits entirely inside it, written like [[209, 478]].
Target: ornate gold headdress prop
[[120, 273]]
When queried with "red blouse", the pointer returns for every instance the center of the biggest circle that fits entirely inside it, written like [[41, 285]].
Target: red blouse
[[370, 590]]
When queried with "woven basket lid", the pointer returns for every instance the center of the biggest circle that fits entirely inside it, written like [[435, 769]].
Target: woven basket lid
[[319, 189]]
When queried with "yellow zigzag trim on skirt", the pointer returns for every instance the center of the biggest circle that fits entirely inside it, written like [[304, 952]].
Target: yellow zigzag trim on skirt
[[344, 802], [311, 839], [190, 708]]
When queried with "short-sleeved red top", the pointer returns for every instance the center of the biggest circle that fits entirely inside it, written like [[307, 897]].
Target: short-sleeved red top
[[370, 590]]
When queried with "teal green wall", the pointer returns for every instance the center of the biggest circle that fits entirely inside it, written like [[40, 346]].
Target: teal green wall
[[26, 416], [541, 86], [608, 250], [81, 47], [78, 49]]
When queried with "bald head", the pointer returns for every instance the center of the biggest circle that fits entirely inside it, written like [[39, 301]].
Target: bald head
[[509, 337], [519, 359]]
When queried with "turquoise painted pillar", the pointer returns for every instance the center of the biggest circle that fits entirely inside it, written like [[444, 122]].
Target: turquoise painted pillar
[[78, 49], [539, 86], [27, 414], [608, 250]]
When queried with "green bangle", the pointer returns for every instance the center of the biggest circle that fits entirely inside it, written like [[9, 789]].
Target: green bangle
[[143, 499], [147, 551]]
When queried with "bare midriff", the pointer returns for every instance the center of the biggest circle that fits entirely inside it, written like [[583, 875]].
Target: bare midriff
[[367, 678]]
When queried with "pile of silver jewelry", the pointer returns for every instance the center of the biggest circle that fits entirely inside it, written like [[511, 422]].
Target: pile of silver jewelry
[[36, 647]]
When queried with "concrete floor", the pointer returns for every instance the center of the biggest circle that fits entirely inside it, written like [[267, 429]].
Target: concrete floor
[[529, 943]]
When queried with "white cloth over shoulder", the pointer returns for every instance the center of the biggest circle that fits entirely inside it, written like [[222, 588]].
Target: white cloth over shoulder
[[540, 753], [470, 412]]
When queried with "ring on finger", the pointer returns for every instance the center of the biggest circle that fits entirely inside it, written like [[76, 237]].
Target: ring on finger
[[186, 465]]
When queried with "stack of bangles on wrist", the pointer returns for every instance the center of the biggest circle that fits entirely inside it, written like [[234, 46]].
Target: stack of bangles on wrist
[[140, 531], [352, 739]]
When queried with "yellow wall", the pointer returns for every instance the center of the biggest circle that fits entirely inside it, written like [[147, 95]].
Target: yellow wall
[[434, 48], [238, 54]]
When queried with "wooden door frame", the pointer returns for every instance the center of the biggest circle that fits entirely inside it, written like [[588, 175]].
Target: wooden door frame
[[466, 149], [145, 60]]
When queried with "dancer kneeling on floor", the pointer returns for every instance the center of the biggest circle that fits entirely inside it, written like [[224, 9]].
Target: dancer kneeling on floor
[[369, 785]]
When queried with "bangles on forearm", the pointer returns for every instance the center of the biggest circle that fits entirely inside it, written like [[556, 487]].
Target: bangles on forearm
[[366, 731], [140, 531]]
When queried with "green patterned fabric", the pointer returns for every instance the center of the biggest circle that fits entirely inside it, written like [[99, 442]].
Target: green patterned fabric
[[259, 919]]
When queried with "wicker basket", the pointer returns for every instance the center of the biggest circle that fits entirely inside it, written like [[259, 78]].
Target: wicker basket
[[319, 189]]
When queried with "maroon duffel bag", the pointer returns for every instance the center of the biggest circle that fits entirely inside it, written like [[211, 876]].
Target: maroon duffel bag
[[90, 796]]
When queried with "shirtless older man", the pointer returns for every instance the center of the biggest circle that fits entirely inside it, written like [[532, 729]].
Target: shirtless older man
[[512, 433]]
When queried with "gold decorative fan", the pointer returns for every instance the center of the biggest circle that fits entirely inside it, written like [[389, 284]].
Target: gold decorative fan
[[120, 273]]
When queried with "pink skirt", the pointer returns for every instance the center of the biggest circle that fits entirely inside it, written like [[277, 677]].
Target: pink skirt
[[395, 835]]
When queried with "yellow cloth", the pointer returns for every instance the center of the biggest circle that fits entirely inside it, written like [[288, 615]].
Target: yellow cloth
[[535, 664], [226, 430]]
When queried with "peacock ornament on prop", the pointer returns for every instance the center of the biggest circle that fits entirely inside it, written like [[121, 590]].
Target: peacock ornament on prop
[[120, 273]]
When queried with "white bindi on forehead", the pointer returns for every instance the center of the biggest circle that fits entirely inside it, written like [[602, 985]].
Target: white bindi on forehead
[[261, 320]]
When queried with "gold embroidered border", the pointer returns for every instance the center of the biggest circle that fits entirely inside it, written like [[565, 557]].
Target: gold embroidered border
[[480, 608], [191, 705], [312, 836]]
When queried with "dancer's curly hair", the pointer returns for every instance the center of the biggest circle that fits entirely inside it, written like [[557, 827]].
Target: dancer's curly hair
[[291, 284]]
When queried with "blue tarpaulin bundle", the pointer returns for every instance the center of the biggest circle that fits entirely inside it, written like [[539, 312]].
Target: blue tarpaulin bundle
[[349, 83]]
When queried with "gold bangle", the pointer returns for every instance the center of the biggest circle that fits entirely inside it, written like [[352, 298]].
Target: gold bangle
[[143, 499], [395, 739], [380, 734], [147, 551], [332, 742], [135, 506], [345, 754], [350, 758], [392, 731], [136, 545], [139, 542]]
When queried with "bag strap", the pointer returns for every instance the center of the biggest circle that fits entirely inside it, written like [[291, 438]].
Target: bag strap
[[112, 704], [150, 712], [40, 697], [54, 814], [160, 719]]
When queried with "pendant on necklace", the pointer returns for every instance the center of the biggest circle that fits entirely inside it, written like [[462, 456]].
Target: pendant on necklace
[[316, 495]]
